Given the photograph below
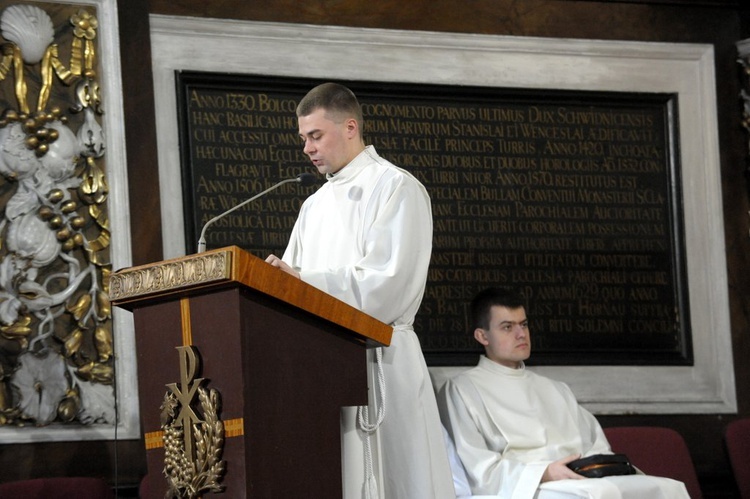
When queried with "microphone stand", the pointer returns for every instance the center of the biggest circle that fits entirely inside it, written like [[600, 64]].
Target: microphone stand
[[304, 179]]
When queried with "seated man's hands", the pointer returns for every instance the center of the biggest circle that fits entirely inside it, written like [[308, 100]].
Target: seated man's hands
[[558, 470]]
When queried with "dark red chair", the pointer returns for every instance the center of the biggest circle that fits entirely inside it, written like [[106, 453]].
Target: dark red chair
[[656, 451], [737, 440], [145, 487], [57, 488]]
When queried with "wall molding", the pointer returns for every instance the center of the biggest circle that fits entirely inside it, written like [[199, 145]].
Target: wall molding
[[296, 50]]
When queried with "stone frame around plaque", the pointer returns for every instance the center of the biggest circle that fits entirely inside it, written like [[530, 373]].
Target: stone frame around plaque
[[686, 70]]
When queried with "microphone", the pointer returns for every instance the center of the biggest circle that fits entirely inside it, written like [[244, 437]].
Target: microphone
[[304, 179]]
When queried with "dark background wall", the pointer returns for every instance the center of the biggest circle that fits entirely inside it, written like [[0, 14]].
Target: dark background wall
[[721, 23]]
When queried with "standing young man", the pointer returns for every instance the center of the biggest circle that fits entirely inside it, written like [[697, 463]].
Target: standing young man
[[365, 237]]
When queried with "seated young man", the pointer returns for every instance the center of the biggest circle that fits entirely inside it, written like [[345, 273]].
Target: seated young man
[[516, 431]]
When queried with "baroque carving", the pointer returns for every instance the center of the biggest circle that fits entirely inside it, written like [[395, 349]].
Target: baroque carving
[[56, 343]]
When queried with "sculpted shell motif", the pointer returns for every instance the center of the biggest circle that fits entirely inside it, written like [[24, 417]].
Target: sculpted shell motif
[[30, 28]]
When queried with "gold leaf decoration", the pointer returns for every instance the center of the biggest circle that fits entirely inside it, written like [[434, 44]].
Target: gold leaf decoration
[[80, 308], [18, 331], [103, 342], [73, 343], [96, 372]]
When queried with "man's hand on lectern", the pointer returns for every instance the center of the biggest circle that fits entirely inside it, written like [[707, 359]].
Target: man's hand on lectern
[[278, 263]]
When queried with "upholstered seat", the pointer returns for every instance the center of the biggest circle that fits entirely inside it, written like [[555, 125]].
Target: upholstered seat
[[656, 451], [57, 488], [737, 439]]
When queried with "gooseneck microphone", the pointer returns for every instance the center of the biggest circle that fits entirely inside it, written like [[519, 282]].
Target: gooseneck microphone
[[304, 179]]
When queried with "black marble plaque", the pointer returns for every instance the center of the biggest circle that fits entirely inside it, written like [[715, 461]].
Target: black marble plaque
[[572, 197]]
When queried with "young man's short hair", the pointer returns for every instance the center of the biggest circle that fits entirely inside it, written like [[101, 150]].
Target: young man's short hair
[[483, 302], [339, 102]]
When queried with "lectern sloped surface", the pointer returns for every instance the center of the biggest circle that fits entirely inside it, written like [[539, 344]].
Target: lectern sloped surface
[[283, 357]]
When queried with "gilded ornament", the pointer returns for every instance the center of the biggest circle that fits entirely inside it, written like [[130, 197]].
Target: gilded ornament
[[68, 206], [68, 245], [80, 308], [63, 234], [77, 222], [45, 213], [85, 25], [56, 195], [89, 98], [93, 189], [104, 305], [69, 406], [18, 331], [104, 343], [73, 343], [96, 372], [53, 274], [55, 222], [10, 115]]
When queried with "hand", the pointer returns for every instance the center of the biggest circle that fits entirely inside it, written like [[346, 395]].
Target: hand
[[559, 470], [278, 263]]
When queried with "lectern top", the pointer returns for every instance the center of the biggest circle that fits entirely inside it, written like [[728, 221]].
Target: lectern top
[[232, 266]]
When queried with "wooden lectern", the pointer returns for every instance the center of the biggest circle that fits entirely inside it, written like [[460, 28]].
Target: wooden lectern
[[283, 357]]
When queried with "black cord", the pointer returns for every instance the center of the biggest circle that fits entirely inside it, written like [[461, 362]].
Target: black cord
[[117, 418]]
